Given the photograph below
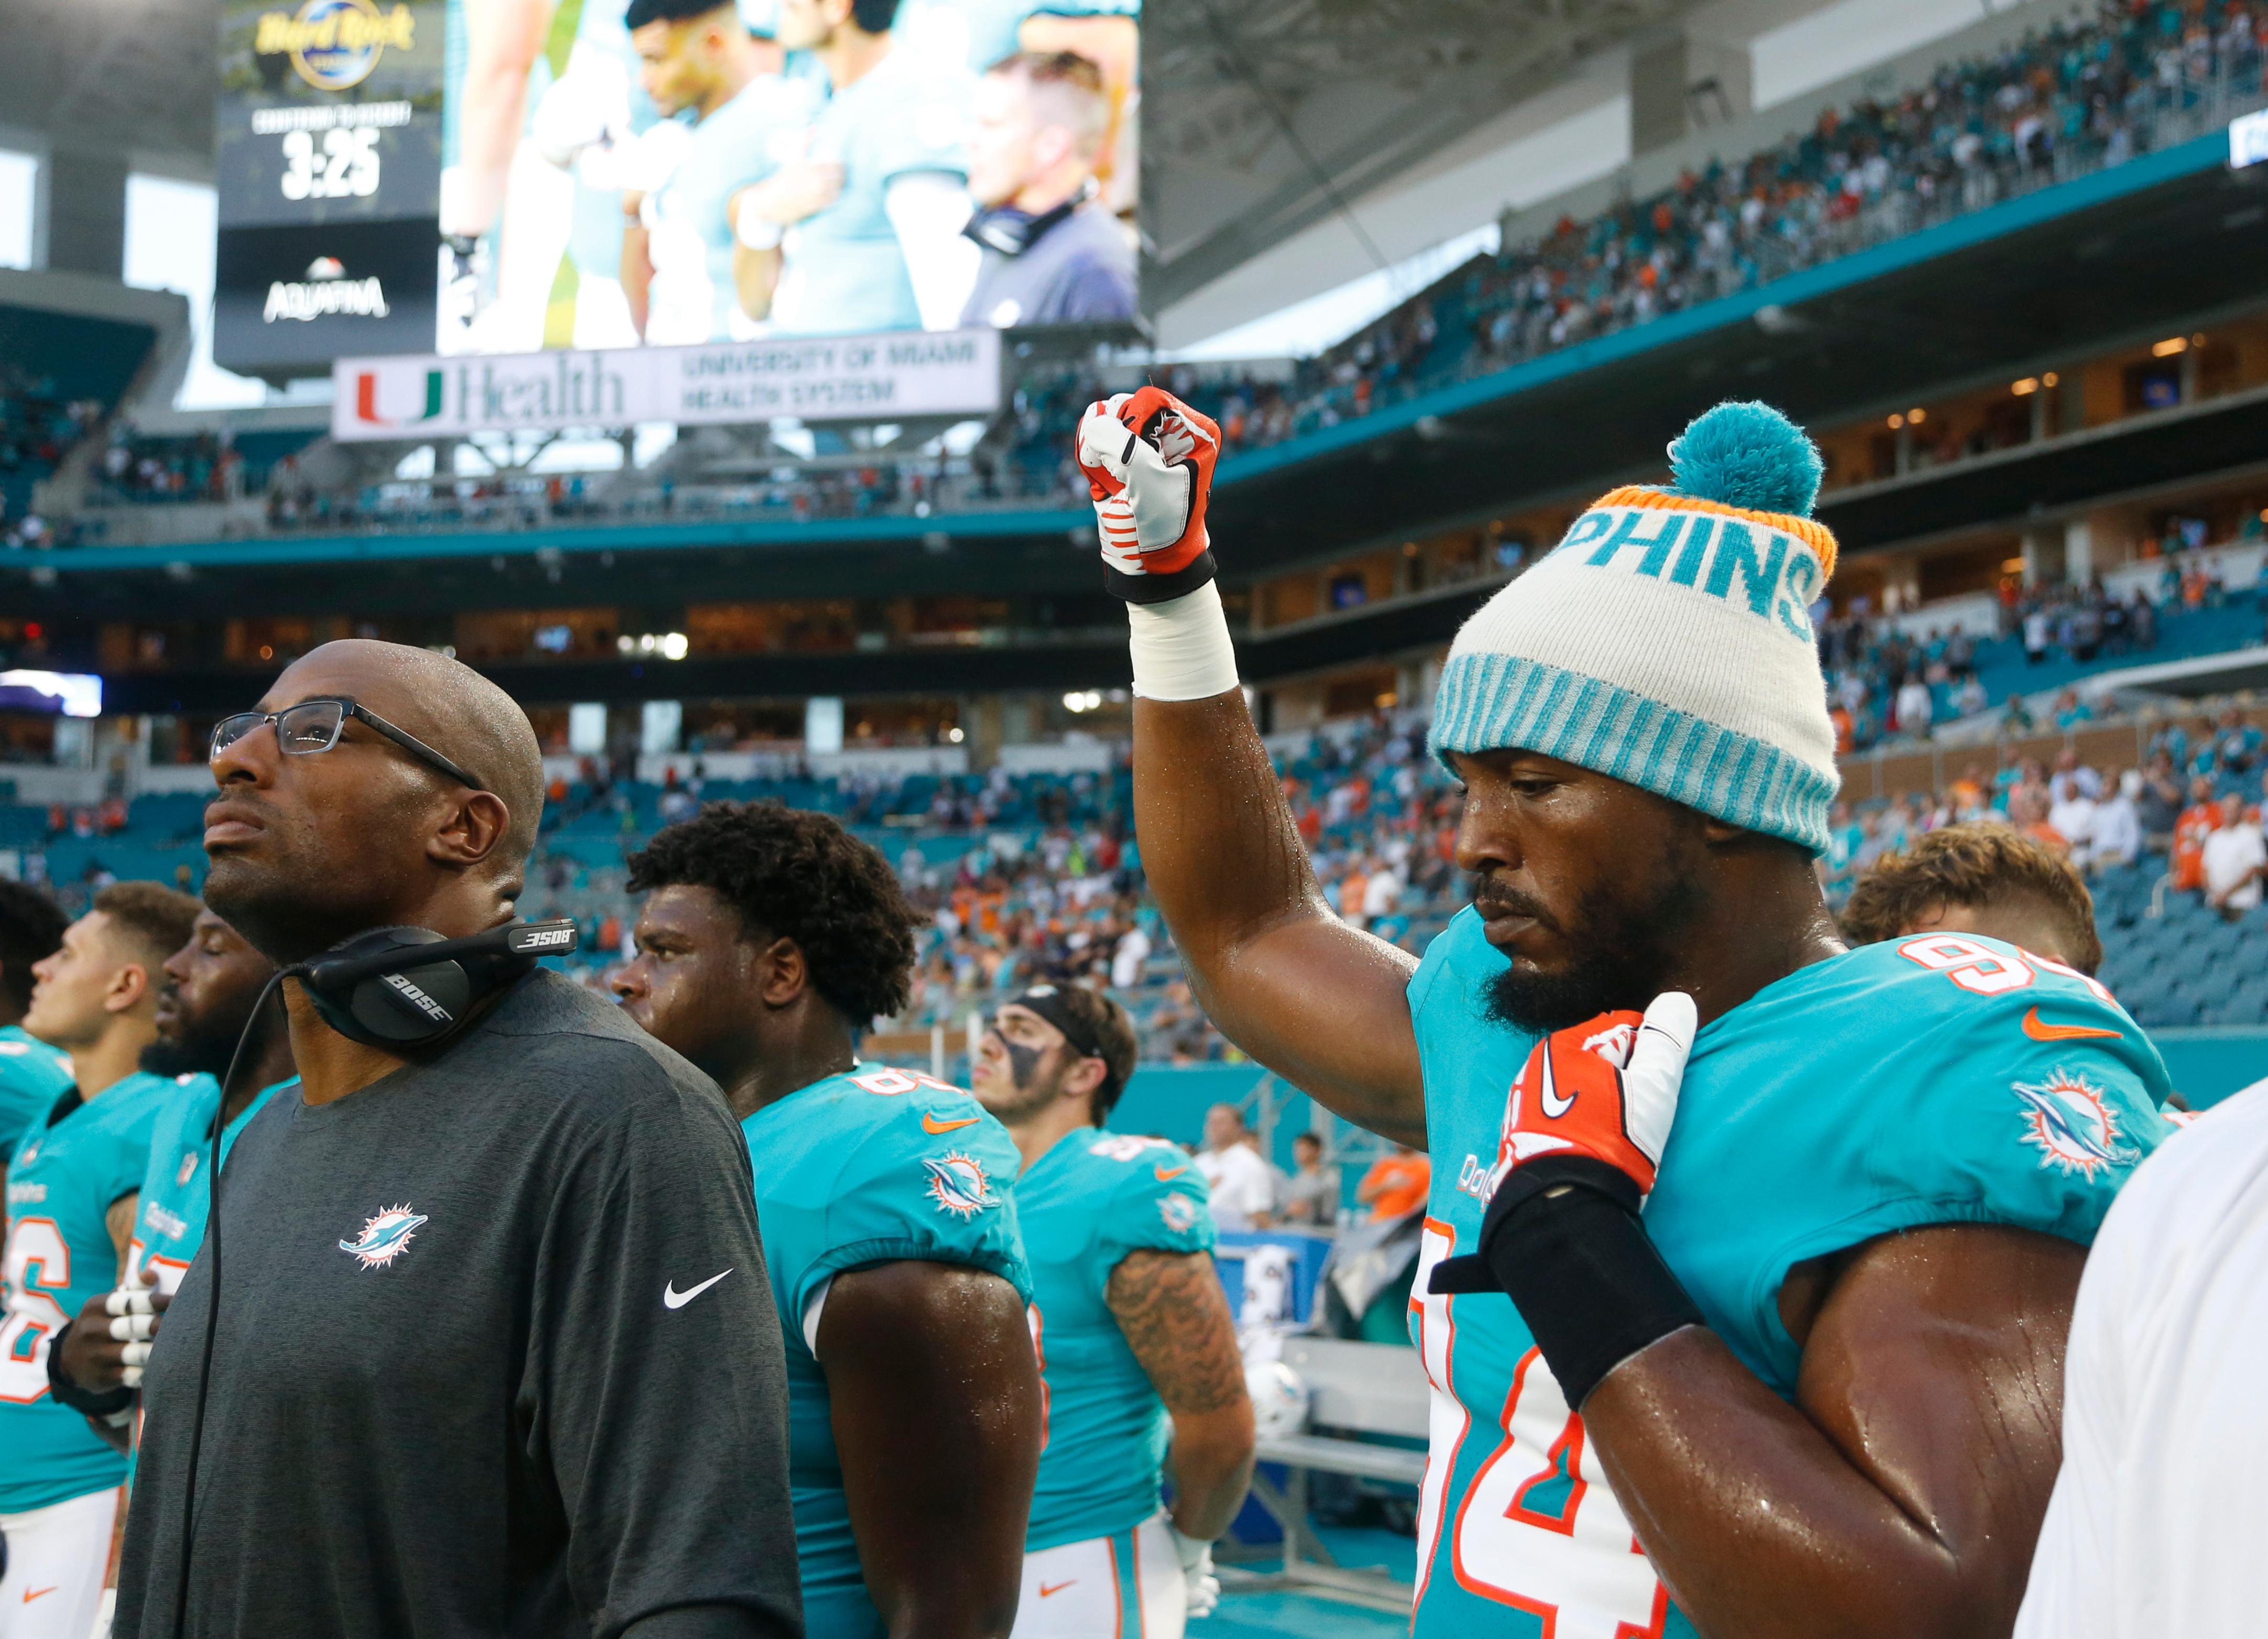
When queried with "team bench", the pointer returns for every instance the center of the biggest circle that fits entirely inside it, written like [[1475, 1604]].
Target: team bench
[[1356, 1389]]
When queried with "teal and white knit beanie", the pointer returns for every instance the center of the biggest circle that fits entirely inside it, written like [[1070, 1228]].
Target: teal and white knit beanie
[[1666, 641]]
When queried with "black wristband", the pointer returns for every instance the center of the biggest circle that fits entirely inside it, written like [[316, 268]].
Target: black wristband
[[1562, 1238], [67, 1391], [1160, 589]]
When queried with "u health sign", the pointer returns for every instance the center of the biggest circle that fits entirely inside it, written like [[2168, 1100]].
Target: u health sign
[[888, 377]]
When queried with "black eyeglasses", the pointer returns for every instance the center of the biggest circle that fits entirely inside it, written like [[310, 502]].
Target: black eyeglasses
[[314, 726]]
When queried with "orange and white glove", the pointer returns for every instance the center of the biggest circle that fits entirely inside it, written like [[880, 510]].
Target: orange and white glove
[[1607, 1090], [1583, 1133], [1148, 460]]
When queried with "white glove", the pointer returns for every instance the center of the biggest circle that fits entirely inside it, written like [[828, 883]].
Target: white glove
[[134, 1322], [1201, 1586]]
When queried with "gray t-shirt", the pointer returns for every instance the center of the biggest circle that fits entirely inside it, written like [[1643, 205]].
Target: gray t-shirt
[[458, 1386], [1312, 1198]]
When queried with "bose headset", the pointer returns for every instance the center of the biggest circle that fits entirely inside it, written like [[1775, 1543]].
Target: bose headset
[[396, 988]]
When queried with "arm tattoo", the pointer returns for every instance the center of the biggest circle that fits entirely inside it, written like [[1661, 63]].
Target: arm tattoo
[[1176, 1318]]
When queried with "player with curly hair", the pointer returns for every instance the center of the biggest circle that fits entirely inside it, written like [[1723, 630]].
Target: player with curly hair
[[1983, 877], [770, 940]]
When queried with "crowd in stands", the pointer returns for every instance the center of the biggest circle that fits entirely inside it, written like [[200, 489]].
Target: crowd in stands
[[2198, 779], [1033, 878], [2075, 98], [203, 467], [37, 428]]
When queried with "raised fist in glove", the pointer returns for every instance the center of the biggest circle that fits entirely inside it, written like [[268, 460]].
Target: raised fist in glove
[[1148, 460], [1583, 1133]]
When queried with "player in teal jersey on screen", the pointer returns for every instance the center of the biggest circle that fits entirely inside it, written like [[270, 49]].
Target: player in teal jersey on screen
[[866, 223], [768, 940], [72, 1186], [701, 59], [1137, 1346], [31, 1072], [204, 1009], [1806, 1377]]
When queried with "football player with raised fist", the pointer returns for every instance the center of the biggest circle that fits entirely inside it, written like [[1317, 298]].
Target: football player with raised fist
[[1789, 1363]]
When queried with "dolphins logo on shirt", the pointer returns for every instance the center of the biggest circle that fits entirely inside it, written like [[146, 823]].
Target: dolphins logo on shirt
[[384, 1237], [958, 1184], [2067, 1120]]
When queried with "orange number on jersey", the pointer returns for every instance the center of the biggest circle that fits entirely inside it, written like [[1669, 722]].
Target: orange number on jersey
[[38, 1259]]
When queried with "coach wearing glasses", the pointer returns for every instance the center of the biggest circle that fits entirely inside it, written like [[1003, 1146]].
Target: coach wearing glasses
[[492, 1350]]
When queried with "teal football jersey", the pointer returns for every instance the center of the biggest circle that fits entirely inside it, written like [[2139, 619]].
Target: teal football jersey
[[32, 1076], [1084, 1205], [169, 1220], [742, 143], [842, 271], [66, 1175], [869, 1167], [1931, 1080]]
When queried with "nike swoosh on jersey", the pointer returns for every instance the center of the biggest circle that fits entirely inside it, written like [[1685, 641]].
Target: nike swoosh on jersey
[[30, 1594], [1048, 1592], [2040, 1030], [1167, 1174], [671, 1298], [931, 1125]]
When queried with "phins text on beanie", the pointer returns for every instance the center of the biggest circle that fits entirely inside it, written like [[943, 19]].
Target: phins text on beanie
[[1667, 642]]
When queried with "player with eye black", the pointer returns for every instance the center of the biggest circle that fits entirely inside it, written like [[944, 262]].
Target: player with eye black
[[1750, 1257], [769, 942], [1137, 1346]]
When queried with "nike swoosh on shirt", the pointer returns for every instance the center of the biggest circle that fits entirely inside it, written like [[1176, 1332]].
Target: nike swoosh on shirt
[[1167, 1174], [30, 1594], [671, 1298], [931, 1125], [2040, 1030], [1047, 1592]]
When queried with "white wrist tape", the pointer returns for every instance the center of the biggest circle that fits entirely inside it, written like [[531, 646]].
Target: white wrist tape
[[1181, 648]]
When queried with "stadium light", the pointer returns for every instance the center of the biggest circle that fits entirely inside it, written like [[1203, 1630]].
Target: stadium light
[[2170, 346], [2025, 387]]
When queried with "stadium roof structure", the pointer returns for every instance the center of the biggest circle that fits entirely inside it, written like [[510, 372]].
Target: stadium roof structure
[[1258, 117], [131, 81]]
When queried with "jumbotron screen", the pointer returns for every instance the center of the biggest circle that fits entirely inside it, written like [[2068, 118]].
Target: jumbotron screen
[[506, 176]]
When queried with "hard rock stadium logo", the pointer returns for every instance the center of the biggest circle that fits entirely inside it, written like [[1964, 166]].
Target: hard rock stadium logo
[[334, 44]]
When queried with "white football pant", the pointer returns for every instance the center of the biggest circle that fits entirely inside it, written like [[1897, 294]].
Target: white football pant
[[1123, 1586], [58, 1559]]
